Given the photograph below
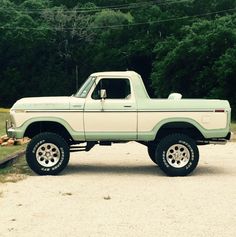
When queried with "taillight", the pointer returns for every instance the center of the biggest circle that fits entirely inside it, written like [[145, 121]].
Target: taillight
[[219, 110]]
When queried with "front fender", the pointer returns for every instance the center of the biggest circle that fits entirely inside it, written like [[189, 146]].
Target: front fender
[[19, 132]]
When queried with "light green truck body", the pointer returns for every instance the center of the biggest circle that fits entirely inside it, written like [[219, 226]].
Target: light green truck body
[[137, 118]]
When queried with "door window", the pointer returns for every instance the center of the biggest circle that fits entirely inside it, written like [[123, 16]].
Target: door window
[[115, 88]]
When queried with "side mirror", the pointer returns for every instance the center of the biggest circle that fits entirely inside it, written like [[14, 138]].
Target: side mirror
[[103, 94]]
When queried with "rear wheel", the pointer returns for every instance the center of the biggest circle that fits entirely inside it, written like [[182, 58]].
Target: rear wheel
[[47, 154], [177, 155]]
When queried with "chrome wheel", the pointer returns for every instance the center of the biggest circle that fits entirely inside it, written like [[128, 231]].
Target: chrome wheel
[[48, 155], [178, 155]]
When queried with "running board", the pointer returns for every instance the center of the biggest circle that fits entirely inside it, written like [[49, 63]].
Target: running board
[[77, 148]]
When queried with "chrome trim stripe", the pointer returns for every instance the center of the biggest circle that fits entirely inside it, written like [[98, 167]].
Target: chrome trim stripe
[[52, 111], [121, 110], [175, 110], [151, 111]]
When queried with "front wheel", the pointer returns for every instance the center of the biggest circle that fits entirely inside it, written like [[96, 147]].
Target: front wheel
[[177, 155], [47, 154]]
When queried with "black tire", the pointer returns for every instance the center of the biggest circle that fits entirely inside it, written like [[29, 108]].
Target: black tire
[[177, 155], [47, 154], [152, 152]]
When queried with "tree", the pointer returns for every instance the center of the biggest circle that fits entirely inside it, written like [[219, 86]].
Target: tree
[[189, 64]]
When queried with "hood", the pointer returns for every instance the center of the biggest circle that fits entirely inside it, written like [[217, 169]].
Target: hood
[[43, 103]]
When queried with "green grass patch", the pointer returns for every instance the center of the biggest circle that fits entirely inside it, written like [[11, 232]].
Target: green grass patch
[[3, 117], [2, 110], [15, 172], [19, 169], [6, 150]]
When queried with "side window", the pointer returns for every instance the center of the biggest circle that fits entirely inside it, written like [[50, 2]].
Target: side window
[[115, 88]]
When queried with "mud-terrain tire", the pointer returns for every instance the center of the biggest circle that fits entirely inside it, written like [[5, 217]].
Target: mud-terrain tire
[[177, 155], [47, 154]]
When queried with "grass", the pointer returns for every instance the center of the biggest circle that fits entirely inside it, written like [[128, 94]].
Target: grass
[[19, 169], [6, 150], [2, 110], [16, 172], [3, 117]]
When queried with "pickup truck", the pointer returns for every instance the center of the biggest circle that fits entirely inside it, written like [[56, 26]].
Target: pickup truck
[[115, 107]]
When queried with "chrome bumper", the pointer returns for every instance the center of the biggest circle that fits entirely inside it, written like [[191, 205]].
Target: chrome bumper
[[217, 141]]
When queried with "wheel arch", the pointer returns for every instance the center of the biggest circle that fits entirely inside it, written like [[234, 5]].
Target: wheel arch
[[33, 128], [186, 126]]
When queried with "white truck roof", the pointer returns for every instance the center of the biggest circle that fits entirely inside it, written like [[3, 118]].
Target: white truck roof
[[115, 73]]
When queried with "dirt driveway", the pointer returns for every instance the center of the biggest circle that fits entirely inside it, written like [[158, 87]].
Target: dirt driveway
[[118, 191]]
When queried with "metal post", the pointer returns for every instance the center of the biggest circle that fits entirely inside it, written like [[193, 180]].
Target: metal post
[[76, 77]]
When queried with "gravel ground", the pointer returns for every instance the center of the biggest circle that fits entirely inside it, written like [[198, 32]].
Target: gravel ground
[[118, 191]]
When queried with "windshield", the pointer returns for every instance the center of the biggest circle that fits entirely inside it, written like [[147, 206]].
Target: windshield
[[85, 88]]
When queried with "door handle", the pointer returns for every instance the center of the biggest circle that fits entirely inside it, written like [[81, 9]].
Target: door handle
[[127, 106]]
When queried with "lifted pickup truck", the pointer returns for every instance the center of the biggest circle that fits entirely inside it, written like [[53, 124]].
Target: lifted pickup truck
[[115, 107]]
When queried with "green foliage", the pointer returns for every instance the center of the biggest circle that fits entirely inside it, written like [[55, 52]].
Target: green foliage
[[201, 63], [110, 17], [41, 42], [225, 76]]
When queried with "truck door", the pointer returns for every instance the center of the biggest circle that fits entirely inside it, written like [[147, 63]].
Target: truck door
[[113, 117]]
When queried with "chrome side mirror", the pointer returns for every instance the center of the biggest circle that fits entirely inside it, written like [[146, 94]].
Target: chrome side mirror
[[103, 94]]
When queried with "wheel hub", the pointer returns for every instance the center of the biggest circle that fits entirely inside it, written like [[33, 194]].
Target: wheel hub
[[48, 155], [178, 155]]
